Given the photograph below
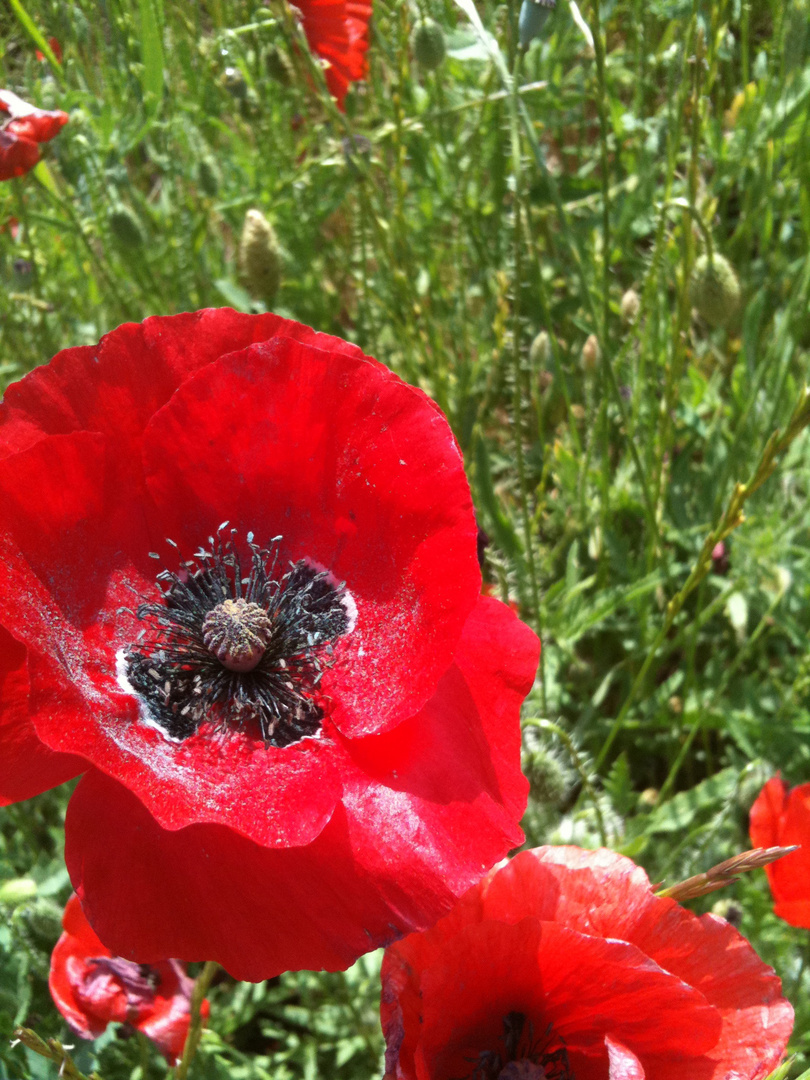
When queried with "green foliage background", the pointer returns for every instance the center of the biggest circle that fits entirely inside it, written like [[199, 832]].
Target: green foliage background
[[441, 223]]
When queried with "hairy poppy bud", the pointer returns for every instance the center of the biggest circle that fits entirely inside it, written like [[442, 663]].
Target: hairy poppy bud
[[715, 290], [278, 66], [540, 350], [427, 44], [259, 257], [17, 891], [730, 910], [208, 176], [630, 306], [590, 353], [234, 82], [125, 227], [546, 775]]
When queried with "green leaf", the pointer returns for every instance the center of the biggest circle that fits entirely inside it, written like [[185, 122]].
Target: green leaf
[[151, 54]]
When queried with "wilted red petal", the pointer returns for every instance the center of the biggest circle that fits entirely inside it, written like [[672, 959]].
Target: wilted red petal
[[337, 31], [29, 122], [92, 988], [17, 155], [782, 817]]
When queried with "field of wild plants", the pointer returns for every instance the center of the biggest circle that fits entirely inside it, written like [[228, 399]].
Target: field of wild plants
[[583, 232]]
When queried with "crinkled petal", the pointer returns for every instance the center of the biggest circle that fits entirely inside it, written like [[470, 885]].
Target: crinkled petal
[[29, 122], [360, 475], [115, 387], [27, 766]]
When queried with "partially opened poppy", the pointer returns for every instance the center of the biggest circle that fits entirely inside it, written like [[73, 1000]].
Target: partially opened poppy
[[298, 718], [22, 128], [92, 988], [337, 32], [781, 816], [563, 965]]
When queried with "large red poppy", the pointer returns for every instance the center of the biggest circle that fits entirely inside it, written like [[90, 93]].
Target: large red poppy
[[782, 817], [92, 988], [563, 964], [337, 32], [289, 764], [22, 128]]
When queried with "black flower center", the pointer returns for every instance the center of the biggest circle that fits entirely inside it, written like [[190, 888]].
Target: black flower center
[[238, 650], [521, 1056]]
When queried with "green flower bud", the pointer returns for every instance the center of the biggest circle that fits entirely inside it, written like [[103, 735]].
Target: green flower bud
[[208, 176], [427, 44], [234, 82], [17, 890], [278, 66], [39, 923], [259, 257], [715, 290], [125, 227]]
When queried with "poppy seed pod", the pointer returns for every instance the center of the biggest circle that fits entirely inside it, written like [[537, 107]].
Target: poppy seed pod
[[125, 227], [259, 257], [427, 44], [715, 290], [547, 778]]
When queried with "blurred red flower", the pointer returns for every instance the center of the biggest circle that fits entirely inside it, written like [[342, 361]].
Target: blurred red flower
[[22, 128], [300, 740], [56, 49], [782, 817], [337, 31], [563, 964], [92, 988]]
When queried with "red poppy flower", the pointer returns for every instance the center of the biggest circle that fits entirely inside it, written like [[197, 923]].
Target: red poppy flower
[[782, 817], [563, 964], [337, 32], [22, 128], [92, 988], [299, 727]]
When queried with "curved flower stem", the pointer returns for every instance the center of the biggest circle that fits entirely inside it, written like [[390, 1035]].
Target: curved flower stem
[[201, 986]]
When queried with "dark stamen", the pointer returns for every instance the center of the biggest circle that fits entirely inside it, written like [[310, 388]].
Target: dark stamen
[[238, 650]]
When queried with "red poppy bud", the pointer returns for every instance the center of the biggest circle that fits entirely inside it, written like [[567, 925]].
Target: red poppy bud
[[276, 789], [563, 964]]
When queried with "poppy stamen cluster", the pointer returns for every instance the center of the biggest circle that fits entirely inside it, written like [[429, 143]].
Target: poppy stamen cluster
[[523, 1057], [245, 649]]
